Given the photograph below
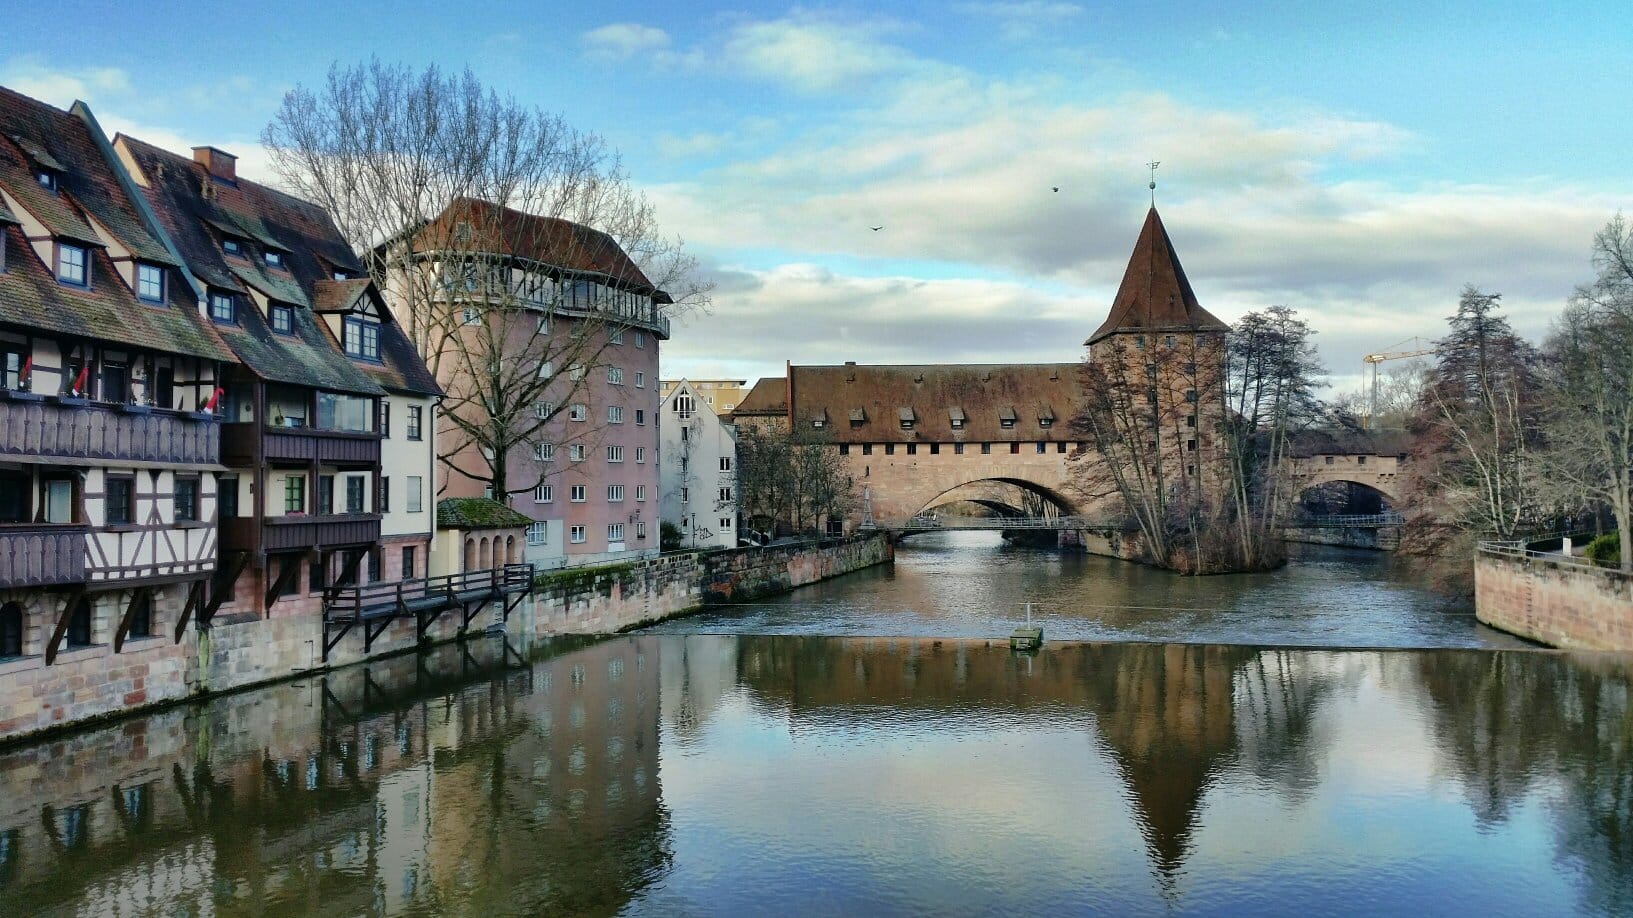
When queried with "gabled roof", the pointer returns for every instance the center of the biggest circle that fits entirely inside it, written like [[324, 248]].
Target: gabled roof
[[477, 513], [88, 188], [196, 210], [768, 398], [932, 397], [472, 225], [1155, 295]]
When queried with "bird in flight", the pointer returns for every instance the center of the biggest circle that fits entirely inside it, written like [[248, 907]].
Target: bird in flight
[[1056, 188], [876, 228]]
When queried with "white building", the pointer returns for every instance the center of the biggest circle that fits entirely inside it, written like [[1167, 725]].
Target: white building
[[697, 466]]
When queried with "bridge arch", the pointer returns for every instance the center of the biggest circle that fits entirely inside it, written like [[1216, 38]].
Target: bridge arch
[[1006, 495], [1344, 497]]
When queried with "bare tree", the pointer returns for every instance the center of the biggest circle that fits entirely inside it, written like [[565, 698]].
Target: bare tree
[[1589, 397], [1399, 389], [1477, 425], [513, 249], [792, 481]]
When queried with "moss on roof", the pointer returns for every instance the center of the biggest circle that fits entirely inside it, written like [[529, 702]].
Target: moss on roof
[[477, 513]]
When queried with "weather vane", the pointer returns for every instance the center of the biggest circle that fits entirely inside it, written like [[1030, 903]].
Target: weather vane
[[1153, 186]]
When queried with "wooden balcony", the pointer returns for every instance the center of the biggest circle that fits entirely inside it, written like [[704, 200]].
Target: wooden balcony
[[298, 445], [290, 533], [58, 428], [41, 555]]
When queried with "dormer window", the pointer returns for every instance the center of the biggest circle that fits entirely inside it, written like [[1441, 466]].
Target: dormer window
[[1006, 418], [150, 283], [232, 247], [340, 276], [274, 259], [46, 178], [907, 418], [362, 338], [72, 266], [222, 308], [282, 318]]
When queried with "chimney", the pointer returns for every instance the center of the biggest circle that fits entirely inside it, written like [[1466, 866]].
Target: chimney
[[219, 163]]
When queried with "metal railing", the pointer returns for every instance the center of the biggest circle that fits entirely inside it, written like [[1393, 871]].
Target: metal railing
[[1346, 520], [933, 524], [375, 600], [1521, 549]]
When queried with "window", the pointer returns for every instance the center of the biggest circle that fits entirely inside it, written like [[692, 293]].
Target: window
[[986, 449], [374, 566], [725, 522], [890, 449], [226, 496], [547, 369], [576, 494], [1014, 447], [317, 574], [119, 501], [362, 338], [844, 449], [615, 494], [575, 372], [186, 500], [414, 504], [615, 376], [1006, 423], [222, 307], [615, 414], [544, 452], [912, 449], [958, 423], [536, 533], [685, 495], [543, 410], [1190, 445], [578, 412], [615, 532], [640, 493], [615, 336], [383, 499], [640, 417], [326, 494], [640, 339], [1190, 420], [682, 406], [1060, 447], [59, 501], [274, 259], [46, 178], [576, 535], [408, 561], [385, 418], [71, 267], [11, 630], [79, 626], [470, 315], [232, 246], [640, 380], [354, 493], [1360, 460], [282, 318], [544, 494], [115, 383], [935, 449], [867, 449], [640, 454], [615, 454], [544, 325], [150, 283], [1042, 448], [907, 423], [725, 463], [725, 495], [958, 449], [1139, 342], [1190, 396], [819, 422], [415, 414], [1168, 340], [575, 452]]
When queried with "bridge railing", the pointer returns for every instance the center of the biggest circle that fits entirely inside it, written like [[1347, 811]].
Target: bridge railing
[[1520, 549], [932, 524], [1344, 520]]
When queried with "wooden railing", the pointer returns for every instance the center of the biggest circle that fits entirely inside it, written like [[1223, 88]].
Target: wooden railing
[[41, 555], [286, 533], [298, 444], [424, 594], [76, 429]]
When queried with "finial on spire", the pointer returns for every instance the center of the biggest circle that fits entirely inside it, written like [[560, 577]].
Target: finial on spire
[[1153, 186]]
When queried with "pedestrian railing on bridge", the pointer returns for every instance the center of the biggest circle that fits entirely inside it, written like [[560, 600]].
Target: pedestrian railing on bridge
[[936, 524], [1346, 520], [374, 606], [1524, 550]]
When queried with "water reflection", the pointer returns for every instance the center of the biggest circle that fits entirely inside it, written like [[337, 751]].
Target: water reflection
[[776, 775]]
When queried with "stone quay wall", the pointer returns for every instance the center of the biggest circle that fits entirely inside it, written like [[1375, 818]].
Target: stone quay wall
[[1384, 538], [1573, 606], [236, 652]]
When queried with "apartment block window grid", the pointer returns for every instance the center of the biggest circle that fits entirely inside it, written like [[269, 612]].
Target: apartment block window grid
[[615, 494], [576, 535]]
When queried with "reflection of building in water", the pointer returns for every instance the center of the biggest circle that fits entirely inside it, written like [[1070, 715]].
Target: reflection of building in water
[[1165, 713], [699, 671], [403, 785]]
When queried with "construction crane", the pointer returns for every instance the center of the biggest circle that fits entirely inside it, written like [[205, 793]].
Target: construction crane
[[1401, 350]]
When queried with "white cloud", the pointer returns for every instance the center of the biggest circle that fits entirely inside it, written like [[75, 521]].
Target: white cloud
[[1024, 19], [686, 146], [31, 76], [622, 41]]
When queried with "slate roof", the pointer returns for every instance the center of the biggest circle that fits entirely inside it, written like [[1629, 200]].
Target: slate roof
[[932, 395], [88, 188], [477, 513], [1155, 294], [198, 210], [768, 398], [548, 240], [1343, 442]]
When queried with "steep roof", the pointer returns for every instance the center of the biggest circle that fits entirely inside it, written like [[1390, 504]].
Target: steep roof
[[477, 513], [768, 398], [199, 211], [1038, 397], [35, 135], [472, 225], [1155, 294]]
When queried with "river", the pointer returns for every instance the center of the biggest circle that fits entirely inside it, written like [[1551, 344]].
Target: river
[[922, 773]]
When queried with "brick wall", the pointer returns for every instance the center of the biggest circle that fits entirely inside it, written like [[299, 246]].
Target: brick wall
[[1570, 606]]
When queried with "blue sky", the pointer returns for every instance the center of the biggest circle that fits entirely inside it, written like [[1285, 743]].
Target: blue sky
[[1357, 161]]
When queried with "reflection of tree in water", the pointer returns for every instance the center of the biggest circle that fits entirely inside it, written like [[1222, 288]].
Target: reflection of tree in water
[[1170, 717], [1508, 723]]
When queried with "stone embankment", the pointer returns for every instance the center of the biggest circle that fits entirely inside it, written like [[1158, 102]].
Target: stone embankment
[[95, 682], [1547, 597]]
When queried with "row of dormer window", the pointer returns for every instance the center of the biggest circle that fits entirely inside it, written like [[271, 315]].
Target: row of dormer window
[[908, 419], [236, 247]]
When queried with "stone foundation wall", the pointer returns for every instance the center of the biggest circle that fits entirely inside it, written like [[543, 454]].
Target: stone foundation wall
[[1387, 539], [1562, 605], [89, 683]]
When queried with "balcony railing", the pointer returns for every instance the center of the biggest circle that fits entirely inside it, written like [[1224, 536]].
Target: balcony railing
[[288, 533], [298, 444], [373, 600], [52, 427], [41, 555]]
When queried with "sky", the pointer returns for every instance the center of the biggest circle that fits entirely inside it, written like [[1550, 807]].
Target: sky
[[1357, 162]]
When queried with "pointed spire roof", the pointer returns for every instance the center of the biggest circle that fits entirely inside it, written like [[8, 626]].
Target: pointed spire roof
[[1155, 294]]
